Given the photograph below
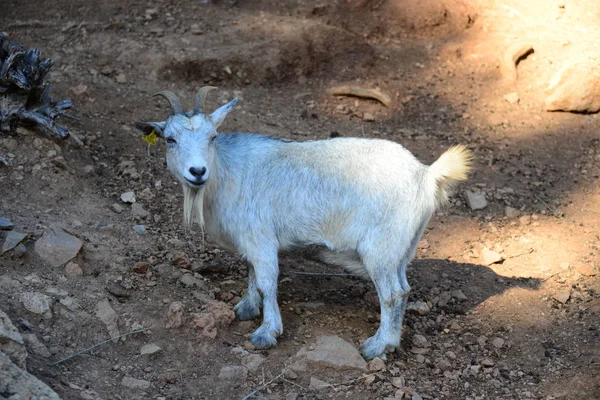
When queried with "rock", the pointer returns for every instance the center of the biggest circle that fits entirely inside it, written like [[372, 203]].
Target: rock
[[180, 259], [368, 117], [140, 267], [11, 341], [498, 343], [512, 97], [291, 396], [487, 362], [239, 352], [121, 78], [140, 229], [234, 373], [73, 270], [35, 346], [416, 396], [252, 361], [444, 365], [376, 364], [133, 383], [586, 269], [562, 296], [17, 384], [138, 211], [5, 224], [222, 312], [175, 315], [332, 352], [79, 90], [420, 358], [149, 349], [575, 86], [56, 247], [37, 303], [525, 220], [117, 208], [205, 323], [398, 382], [108, 316], [511, 212], [420, 341], [189, 280], [116, 289], [459, 295], [418, 307], [490, 257], [128, 197], [316, 384], [476, 201], [11, 240]]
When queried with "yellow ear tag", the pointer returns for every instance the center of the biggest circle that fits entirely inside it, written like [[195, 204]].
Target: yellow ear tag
[[150, 138]]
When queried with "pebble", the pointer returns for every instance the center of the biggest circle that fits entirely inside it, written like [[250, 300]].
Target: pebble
[[5, 224], [498, 343], [368, 117], [117, 208], [189, 280], [525, 220], [133, 383], [36, 303], [562, 296], [108, 316], [512, 97], [490, 257], [138, 211], [35, 346], [418, 307], [252, 361], [11, 240], [586, 269], [512, 212], [476, 200], [487, 362], [420, 341], [420, 358], [459, 295], [376, 364], [56, 247], [316, 384], [444, 365], [128, 197], [398, 382], [150, 348], [175, 315], [140, 229], [140, 267], [239, 352], [121, 78], [72, 270], [330, 352]]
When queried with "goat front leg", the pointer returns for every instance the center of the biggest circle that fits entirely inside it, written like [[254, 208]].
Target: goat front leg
[[266, 270], [249, 306]]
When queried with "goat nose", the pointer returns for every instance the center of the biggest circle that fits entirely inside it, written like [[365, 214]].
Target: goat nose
[[198, 172]]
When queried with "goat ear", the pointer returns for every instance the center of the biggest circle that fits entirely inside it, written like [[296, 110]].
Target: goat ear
[[220, 113], [148, 127]]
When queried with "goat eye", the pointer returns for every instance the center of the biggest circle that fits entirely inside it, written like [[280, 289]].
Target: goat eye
[[212, 139], [171, 140]]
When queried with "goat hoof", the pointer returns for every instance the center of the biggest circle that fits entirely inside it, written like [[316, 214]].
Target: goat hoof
[[372, 347], [245, 310], [261, 339]]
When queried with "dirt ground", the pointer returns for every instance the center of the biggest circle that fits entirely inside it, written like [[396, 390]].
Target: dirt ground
[[439, 62]]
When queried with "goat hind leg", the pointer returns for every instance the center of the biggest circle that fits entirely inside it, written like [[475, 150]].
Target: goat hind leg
[[249, 305]]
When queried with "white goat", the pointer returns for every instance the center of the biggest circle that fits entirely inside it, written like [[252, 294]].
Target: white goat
[[366, 202]]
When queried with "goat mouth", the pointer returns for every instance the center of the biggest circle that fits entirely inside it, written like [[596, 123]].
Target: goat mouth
[[195, 184]]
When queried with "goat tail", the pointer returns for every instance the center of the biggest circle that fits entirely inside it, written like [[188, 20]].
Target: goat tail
[[452, 167]]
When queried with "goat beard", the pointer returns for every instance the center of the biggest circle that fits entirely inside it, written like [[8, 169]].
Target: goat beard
[[193, 206]]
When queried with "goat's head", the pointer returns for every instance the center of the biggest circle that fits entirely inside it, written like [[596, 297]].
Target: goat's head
[[189, 137]]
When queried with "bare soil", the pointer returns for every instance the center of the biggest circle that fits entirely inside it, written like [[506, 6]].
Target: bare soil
[[439, 62]]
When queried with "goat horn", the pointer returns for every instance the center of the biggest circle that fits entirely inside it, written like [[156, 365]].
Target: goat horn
[[200, 100], [172, 99]]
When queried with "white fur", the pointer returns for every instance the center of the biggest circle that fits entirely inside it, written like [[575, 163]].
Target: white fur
[[365, 201]]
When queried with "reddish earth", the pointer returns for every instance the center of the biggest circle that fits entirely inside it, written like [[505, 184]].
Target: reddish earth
[[439, 62]]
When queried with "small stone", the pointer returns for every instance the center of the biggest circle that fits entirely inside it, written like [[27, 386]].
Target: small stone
[[451, 355], [36, 303], [189, 280], [239, 352], [116, 289], [128, 197], [459, 295], [420, 341], [196, 30], [205, 323], [108, 316], [5, 224], [332, 352], [512, 98], [140, 267], [444, 365], [487, 362], [316, 384], [525, 220], [562, 296], [222, 312], [398, 382], [252, 362], [474, 369], [291, 395], [476, 201], [498, 343], [11, 341], [175, 315], [11, 240], [138, 211], [140, 229], [234, 373], [490, 257], [56, 247], [416, 396], [121, 78], [289, 374], [79, 90], [418, 307], [376, 364], [586, 270], [181, 260], [35, 346], [149, 349], [420, 358], [73, 270], [512, 212], [133, 383], [368, 117]]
